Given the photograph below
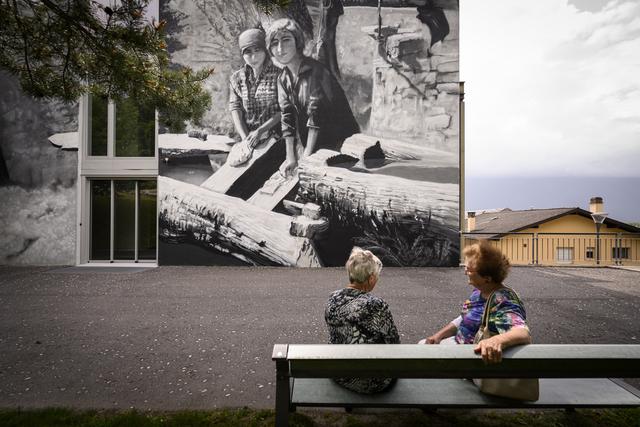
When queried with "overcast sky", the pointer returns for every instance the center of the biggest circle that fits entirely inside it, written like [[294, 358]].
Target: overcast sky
[[553, 87]]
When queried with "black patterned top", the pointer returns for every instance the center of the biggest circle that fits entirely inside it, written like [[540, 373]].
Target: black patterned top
[[357, 317]]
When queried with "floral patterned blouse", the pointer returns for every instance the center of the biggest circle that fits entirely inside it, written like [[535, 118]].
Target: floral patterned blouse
[[357, 317], [507, 311]]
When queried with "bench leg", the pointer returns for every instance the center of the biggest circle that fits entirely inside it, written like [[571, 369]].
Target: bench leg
[[283, 394]]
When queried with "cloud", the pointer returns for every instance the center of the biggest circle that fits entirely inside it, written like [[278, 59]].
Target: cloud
[[551, 89], [590, 5]]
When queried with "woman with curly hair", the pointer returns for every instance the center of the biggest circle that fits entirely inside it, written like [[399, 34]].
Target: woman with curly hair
[[315, 111], [486, 267]]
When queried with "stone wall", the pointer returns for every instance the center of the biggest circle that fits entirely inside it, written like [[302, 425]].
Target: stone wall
[[416, 86]]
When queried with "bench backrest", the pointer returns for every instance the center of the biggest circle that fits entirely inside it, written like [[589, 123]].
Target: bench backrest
[[457, 361]]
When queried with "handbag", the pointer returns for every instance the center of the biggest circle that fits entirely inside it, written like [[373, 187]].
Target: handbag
[[514, 388]]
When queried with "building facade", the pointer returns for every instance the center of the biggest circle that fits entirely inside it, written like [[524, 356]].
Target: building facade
[[124, 189], [558, 236]]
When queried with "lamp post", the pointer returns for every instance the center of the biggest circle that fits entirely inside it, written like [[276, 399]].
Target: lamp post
[[598, 219]]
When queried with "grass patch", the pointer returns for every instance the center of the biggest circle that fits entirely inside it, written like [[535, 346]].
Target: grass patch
[[55, 417], [398, 240]]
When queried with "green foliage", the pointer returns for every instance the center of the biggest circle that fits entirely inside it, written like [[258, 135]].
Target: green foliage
[[62, 49]]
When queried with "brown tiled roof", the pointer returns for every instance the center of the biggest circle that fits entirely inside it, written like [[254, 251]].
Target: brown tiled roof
[[505, 221]]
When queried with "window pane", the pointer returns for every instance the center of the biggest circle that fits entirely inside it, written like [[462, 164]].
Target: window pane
[[100, 220], [135, 130], [147, 219], [124, 220], [98, 126]]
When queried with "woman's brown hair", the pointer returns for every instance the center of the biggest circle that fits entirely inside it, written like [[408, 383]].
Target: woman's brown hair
[[488, 260]]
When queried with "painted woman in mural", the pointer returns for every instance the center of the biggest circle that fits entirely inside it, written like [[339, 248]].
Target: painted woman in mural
[[253, 96], [315, 110]]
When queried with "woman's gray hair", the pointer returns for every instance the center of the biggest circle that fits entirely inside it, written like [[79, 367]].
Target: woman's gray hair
[[285, 24], [362, 264]]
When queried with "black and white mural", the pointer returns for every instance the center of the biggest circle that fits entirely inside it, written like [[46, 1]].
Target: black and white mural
[[38, 175], [333, 124]]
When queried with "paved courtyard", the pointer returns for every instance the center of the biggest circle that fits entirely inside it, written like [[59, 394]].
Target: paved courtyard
[[201, 337]]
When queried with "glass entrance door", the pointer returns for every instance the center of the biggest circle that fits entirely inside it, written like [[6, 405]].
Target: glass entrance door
[[122, 220]]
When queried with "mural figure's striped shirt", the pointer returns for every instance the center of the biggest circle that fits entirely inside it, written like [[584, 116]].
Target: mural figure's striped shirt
[[257, 97]]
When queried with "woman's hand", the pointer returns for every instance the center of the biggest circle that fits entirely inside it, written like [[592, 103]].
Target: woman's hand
[[490, 349], [253, 138], [433, 339], [449, 330], [288, 167]]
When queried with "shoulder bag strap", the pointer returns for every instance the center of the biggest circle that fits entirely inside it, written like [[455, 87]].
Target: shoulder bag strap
[[485, 314]]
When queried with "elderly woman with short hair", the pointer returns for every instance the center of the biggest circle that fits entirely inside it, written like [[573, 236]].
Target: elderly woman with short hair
[[355, 316], [486, 268]]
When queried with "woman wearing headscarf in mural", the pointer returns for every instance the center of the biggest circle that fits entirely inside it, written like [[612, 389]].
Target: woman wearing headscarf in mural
[[253, 97], [315, 110]]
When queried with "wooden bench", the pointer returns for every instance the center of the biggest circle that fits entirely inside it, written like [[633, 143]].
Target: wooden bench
[[571, 376]]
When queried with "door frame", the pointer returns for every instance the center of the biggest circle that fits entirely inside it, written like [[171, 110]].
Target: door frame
[[106, 167]]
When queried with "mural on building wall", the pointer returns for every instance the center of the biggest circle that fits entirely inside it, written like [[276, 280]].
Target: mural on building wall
[[334, 123], [37, 179]]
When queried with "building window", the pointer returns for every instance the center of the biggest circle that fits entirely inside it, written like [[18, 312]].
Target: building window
[[122, 129], [123, 220], [564, 255], [590, 252], [135, 129], [99, 125], [620, 253]]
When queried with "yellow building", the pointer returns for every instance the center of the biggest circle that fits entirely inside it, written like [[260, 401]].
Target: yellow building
[[558, 236]]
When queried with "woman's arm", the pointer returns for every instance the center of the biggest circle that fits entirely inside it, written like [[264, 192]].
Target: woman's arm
[[288, 122], [274, 120], [508, 319], [491, 348], [449, 330], [236, 108], [320, 102], [240, 125], [312, 139], [291, 162], [253, 138]]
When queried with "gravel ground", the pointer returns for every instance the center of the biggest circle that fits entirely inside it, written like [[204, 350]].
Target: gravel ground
[[173, 338]]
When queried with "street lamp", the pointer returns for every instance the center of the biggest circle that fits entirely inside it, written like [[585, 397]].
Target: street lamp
[[598, 218]]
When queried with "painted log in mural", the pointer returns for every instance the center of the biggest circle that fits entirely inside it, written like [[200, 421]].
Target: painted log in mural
[[380, 193], [230, 225], [176, 146], [366, 147], [224, 178]]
